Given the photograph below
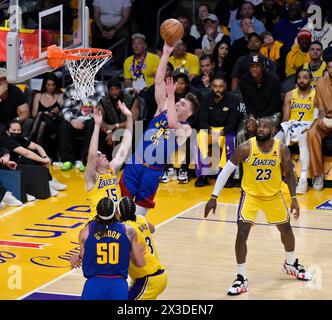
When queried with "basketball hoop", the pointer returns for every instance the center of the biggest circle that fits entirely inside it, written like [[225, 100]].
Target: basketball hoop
[[83, 65]]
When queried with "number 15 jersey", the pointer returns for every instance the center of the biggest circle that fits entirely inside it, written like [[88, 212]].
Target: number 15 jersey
[[107, 185], [262, 174]]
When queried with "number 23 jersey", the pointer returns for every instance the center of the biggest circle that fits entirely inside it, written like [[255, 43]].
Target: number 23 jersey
[[262, 173]]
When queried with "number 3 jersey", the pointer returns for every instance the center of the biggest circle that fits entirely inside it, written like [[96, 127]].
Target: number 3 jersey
[[106, 253], [152, 263], [262, 174], [107, 185]]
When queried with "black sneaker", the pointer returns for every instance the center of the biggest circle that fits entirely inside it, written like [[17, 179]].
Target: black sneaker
[[232, 183], [202, 181], [183, 176], [240, 285]]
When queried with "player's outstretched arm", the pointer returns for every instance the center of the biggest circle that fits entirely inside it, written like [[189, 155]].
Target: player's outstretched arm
[[125, 145], [240, 153], [290, 178], [160, 86], [90, 174]]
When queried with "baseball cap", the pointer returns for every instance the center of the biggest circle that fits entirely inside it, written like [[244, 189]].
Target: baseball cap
[[138, 35], [3, 73], [255, 34], [303, 34], [181, 72], [211, 17], [256, 59]]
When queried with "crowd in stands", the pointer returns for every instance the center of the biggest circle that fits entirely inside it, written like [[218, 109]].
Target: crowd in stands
[[242, 59]]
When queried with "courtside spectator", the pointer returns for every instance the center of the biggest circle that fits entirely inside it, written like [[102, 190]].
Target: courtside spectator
[[140, 69]]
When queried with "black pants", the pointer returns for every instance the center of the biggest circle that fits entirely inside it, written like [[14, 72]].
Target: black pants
[[2, 191], [23, 160], [67, 134]]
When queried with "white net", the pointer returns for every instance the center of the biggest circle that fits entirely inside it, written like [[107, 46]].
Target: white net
[[84, 69]]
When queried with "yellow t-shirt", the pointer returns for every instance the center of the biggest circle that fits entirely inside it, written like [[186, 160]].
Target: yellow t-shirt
[[149, 68], [190, 62], [262, 176], [316, 74], [302, 109], [107, 185], [152, 263]]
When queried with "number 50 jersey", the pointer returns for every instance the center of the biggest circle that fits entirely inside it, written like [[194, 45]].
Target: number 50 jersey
[[152, 263], [262, 174]]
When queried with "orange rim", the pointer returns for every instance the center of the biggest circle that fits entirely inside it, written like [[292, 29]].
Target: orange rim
[[72, 54]]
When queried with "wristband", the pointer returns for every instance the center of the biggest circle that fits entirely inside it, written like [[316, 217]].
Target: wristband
[[293, 197]]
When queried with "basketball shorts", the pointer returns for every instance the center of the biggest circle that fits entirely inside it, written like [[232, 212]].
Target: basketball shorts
[[140, 182], [103, 288], [274, 208], [149, 287]]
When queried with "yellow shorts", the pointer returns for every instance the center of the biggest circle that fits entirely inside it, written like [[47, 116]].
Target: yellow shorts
[[274, 208], [148, 288]]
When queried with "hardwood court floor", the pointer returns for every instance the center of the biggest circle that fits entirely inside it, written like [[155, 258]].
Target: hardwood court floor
[[36, 241]]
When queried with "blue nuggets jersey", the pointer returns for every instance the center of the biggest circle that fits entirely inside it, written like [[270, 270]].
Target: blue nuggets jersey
[[106, 253], [158, 142]]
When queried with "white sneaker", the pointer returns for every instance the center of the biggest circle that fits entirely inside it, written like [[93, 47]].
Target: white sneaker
[[318, 184], [78, 163], [302, 186], [10, 200], [240, 285], [168, 175], [2, 205], [183, 176], [53, 192], [56, 185], [296, 270], [30, 197]]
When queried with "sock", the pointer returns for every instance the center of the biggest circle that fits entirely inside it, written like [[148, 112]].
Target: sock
[[241, 269], [290, 257], [141, 210], [304, 175]]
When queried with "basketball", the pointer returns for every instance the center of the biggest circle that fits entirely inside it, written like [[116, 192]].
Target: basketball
[[171, 30]]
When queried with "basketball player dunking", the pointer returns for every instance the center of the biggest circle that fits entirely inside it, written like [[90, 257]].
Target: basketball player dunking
[[263, 159], [140, 180]]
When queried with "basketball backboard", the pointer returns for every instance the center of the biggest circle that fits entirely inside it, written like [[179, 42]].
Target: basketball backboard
[[33, 25]]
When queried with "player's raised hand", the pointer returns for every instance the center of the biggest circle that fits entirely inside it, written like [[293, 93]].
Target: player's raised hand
[[98, 116], [124, 109], [295, 209], [170, 87], [210, 205], [168, 48]]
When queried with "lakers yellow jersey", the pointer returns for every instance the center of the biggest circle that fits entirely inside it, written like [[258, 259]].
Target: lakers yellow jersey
[[107, 185], [262, 174], [152, 263], [316, 74], [302, 109]]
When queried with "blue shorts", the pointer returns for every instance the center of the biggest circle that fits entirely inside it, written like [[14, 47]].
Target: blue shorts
[[100, 288], [140, 182]]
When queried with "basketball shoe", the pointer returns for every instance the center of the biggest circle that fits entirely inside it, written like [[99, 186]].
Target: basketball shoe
[[296, 270], [169, 175], [183, 176], [240, 285]]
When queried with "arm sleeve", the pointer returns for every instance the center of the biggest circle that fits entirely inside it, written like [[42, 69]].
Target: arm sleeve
[[223, 177]]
